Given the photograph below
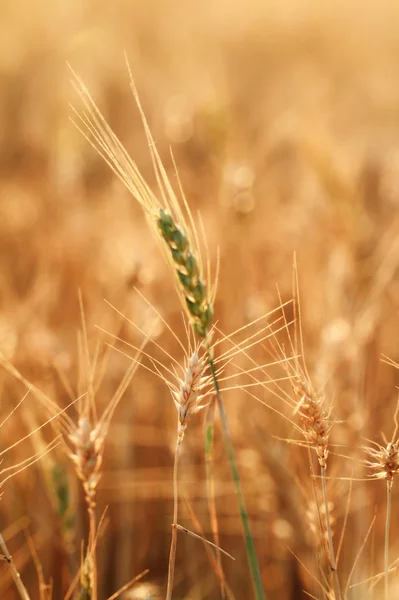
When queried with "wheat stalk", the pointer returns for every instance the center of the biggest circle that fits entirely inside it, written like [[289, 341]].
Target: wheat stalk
[[84, 443], [15, 574], [315, 418], [384, 464], [189, 398], [316, 427]]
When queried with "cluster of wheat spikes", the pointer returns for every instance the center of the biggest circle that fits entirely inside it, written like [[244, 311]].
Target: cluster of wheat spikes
[[182, 249], [7, 473], [83, 440], [197, 385]]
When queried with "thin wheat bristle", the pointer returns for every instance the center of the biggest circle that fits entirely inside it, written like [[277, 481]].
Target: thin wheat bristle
[[188, 273]]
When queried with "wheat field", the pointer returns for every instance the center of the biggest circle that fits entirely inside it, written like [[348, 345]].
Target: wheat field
[[280, 123]]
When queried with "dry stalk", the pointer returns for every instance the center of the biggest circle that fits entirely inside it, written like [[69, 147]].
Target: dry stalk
[[14, 572], [85, 442], [316, 427], [88, 443], [188, 398], [315, 418], [88, 440]]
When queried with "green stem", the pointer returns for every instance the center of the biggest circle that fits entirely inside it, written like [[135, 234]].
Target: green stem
[[249, 543], [210, 487]]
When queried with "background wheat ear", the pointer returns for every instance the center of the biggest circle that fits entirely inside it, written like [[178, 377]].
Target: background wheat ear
[[315, 421]]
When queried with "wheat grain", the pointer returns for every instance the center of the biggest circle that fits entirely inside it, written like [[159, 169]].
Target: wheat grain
[[188, 273]]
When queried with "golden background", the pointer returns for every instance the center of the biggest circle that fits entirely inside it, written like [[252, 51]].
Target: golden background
[[283, 118]]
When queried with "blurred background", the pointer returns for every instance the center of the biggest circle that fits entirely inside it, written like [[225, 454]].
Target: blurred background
[[283, 118]]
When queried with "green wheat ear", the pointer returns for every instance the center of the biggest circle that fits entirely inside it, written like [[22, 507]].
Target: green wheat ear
[[61, 487], [188, 273]]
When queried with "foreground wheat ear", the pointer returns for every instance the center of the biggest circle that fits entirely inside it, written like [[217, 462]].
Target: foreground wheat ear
[[177, 230], [172, 223], [189, 396], [188, 273]]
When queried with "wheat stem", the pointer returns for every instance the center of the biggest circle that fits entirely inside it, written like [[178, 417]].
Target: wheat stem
[[210, 487], [249, 542], [386, 544], [15, 574], [333, 562], [173, 544], [92, 537]]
